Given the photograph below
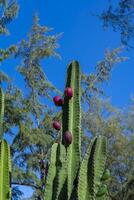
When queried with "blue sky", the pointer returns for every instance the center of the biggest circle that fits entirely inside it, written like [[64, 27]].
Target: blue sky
[[83, 39]]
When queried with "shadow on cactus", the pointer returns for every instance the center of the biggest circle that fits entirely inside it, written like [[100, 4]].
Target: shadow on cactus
[[5, 163], [69, 176]]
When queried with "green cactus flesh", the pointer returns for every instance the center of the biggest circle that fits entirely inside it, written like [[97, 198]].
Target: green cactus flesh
[[5, 171], [102, 191], [92, 169], [67, 179], [71, 122], [106, 175], [1, 112], [57, 173]]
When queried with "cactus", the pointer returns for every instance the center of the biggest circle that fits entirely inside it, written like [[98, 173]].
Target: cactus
[[57, 172], [5, 171], [1, 112], [71, 122], [69, 178], [92, 169], [5, 161], [106, 175]]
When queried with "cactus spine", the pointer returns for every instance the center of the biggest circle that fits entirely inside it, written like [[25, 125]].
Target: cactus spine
[[92, 169], [57, 172], [5, 171], [1, 112], [68, 177], [71, 121], [5, 161]]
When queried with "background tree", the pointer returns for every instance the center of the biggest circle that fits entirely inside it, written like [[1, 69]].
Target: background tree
[[120, 17], [28, 119], [100, 117], [31, 144], [8, 12]]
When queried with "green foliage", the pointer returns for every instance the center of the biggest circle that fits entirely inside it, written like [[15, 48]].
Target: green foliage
[[9, 10], [28, 110], [7, 53], [120, 18], [40, 45], [127, 191], [92, 83], [28, 119]]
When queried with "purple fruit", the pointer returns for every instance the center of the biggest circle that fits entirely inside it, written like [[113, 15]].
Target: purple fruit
[[67, 137], [56, 100], [60, 102], [57, 125], [69, 92]]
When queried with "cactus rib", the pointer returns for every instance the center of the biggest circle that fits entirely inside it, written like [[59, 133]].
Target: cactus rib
[[71, 121], [92, 169], [5, 171], [1, 112], [57, 172]]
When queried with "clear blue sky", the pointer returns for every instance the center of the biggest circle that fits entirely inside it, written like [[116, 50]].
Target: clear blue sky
[[83, 39]]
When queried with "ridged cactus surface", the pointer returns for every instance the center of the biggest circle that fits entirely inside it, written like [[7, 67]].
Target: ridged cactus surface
[[57, 173], [5, 171], [69, 178], [5, 161], [92, 169], [1, 112], [72, 122]]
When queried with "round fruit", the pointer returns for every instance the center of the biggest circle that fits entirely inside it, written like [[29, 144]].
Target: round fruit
[[56, 100], [57, 125], [60, 102], [106, 175], [69, 92], [67, 138], [102, 190]]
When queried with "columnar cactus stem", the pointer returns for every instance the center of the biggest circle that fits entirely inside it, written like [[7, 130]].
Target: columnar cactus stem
[[92, 169], [5, 161], [68, 177], [71, 122], [1, 112], [5, 171], [57, 172]]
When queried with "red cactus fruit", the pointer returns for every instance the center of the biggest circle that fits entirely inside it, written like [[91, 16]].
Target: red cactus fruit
[[69, 92], [57, 125], [56, 100], [60, 102], [67, 137]]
